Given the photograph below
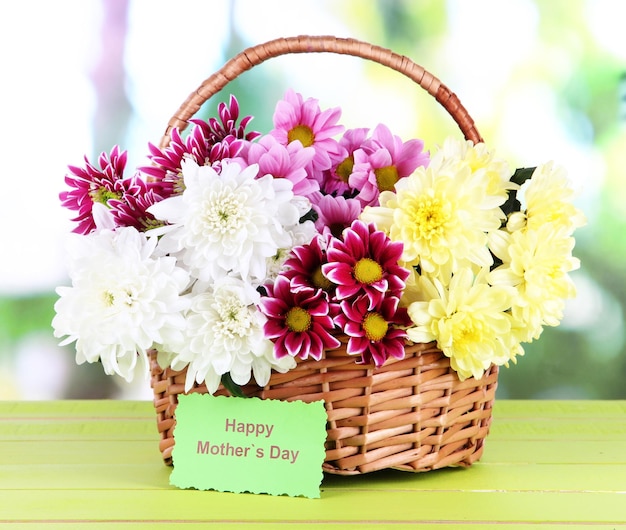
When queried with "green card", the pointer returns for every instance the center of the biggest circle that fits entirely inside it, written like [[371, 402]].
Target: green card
[[249, 445]]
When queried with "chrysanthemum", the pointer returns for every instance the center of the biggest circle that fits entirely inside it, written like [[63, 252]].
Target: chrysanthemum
[[365, 263], [298, 119], [93, 184], [122, 302], [288, 162], [225, 335], [301, 234], [218, 130], [208, 143], [442, 217], [376, 333], [303, 267], [336, 178], [387, 160], [227, 223], [537, 263], [131, 209], [494, 172], [334, 214], [298, 321], [547, 198], [468, 319], [166, 168]]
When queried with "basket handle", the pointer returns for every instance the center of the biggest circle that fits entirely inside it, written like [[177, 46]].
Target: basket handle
[[259, 53]]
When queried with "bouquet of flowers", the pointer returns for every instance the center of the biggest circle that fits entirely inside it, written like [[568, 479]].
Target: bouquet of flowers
[[234, 254]]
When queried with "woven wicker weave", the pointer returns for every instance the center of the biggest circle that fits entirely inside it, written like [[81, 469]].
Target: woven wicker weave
[[412, 414]]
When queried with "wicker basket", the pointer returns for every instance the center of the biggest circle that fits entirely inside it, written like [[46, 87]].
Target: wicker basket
[[412, 414]]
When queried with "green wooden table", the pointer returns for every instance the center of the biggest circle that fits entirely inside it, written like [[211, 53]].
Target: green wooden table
[[78, 464]]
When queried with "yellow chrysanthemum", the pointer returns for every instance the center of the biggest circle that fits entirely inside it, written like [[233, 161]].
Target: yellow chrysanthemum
[[547, 196], [468, 319], [495, 173], [536, 262], [441, 215]]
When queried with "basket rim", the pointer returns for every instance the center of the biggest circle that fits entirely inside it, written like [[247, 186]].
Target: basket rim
[[259, 53]]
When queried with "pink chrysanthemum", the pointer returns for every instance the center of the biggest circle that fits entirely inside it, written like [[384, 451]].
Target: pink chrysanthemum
[[386, 160], [303, 268], [365, 263], [336, 178], [288, 162], [208, 143], [95, 184], [375, 333], [303, 120], [298, 322], [334, 214]]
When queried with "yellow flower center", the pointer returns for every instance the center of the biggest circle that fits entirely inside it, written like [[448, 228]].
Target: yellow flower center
[[344, 170], [302, 133], [430, 217], [468, 333], [375, 326], [298, 319], [367, 271], [320, 281], [386, 178], [465, 333]]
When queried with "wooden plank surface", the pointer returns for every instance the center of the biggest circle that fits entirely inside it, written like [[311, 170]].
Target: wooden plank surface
[[547, 464]]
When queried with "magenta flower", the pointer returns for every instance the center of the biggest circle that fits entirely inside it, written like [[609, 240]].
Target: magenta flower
[[374, 332], [342, 163], [95, 184], [216, 132], [131, 208], [303, 120], [365, 263], [208, 143], [303, 268], [335, 213], [386, 160], [298, 322], [288, 162]]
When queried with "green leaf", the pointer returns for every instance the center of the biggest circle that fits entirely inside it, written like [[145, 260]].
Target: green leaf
[[233, 388], [520, 176]]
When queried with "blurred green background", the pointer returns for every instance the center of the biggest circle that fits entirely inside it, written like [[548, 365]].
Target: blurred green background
[[543, 79]]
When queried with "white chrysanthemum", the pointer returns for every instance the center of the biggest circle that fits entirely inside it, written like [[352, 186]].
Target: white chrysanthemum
[[442, 215], [547, 199], [536, 262], [122, 301], [227, 223], [468, 319], [225, 334]]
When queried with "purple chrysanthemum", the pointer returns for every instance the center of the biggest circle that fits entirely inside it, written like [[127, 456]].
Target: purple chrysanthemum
[[91, 184], [334, 214], [208, 143], [375, 333], [386, 160], [335, 180], [304, 121], [365, 263], [131, 208], [303, 268], [288, 162], [298, 322]]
